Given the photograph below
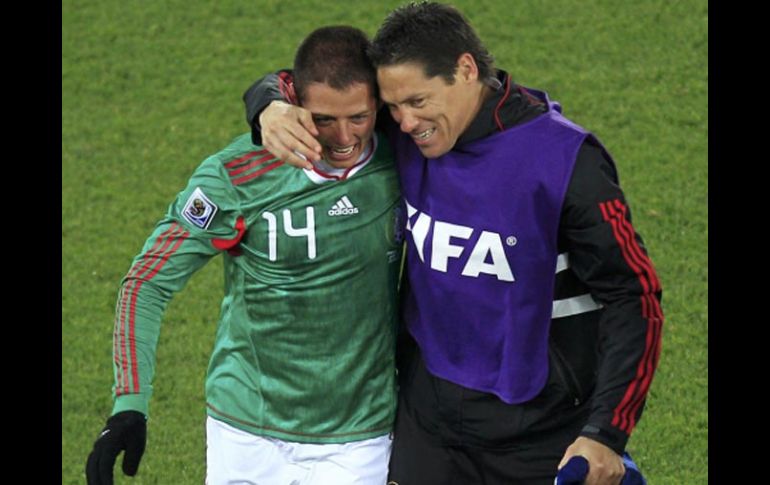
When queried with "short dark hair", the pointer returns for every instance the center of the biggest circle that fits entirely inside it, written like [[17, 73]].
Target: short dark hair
[[431, 34], [334, 55]]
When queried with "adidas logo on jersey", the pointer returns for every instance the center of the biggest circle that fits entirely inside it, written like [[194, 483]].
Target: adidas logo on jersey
[[343, 207]]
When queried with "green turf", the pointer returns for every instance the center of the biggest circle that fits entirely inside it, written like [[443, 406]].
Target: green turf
[[149, 89]]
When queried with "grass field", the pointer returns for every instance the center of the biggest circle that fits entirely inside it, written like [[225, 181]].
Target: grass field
[[149, 89]]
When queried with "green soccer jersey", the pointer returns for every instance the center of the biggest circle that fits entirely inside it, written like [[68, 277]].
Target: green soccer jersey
[[304, 348]]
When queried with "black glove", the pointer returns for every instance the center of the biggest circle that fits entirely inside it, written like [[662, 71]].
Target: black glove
[[126, 430]]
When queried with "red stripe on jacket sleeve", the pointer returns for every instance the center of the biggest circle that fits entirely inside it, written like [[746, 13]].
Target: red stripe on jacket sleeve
[[614, 212], [286, 87]]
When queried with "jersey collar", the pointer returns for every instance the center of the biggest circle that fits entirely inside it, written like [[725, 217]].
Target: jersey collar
[[322, 172]]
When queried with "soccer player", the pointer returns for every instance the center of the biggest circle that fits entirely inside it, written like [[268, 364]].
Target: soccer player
[[532, 304], [301, 383]]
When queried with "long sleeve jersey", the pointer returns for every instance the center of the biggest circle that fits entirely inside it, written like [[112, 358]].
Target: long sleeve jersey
[[605, 331], [304, 347]]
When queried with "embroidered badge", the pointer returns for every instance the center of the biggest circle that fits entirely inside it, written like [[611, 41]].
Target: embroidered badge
[[199, 210]]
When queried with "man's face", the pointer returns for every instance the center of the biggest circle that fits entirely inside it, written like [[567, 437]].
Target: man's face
[[345, 120], [433, 112]]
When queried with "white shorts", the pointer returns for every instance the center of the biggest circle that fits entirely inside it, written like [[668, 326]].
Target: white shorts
[[235, 457]]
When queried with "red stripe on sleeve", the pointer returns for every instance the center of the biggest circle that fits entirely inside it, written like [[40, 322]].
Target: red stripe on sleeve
[[620, 417], [161, 244], [653, 332], [251, 165], [650, 310], [233, 163], [635, 251], [120, 330], [259, 172], [180, 237], [614, 212], [115, 344], [634, 246], [627, 242], [286, 87]]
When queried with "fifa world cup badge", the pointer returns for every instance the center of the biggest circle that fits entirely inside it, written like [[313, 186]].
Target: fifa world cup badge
[[199, 210]]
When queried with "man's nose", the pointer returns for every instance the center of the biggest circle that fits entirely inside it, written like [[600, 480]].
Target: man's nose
[[344, 135], [408, 121]]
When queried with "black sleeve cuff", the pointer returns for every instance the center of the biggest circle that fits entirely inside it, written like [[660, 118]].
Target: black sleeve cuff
[[612, 438]]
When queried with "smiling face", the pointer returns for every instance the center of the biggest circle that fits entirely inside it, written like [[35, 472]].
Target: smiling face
[[344, 118], [433, 112]]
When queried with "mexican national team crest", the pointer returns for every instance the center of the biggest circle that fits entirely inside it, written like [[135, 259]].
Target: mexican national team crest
[[199, 210]]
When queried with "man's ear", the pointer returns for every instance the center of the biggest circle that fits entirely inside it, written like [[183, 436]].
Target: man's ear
[[467, 70]]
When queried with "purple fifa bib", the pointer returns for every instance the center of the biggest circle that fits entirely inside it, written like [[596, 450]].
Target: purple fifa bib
[[481, 252]]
